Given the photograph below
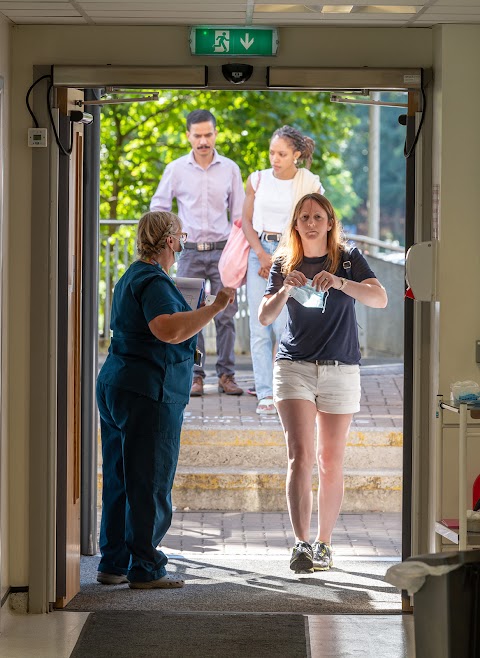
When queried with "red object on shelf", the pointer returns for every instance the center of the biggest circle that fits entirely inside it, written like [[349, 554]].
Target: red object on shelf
[[451, 523], [476, 491]]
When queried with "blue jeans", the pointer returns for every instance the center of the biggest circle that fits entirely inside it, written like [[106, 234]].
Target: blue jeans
[[262, 339], [140, 446]]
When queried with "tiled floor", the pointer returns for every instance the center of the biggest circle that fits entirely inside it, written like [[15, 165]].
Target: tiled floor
[[39, 636], [329, 636]]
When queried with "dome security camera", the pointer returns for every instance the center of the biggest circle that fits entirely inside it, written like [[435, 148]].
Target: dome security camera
[[237, 73]]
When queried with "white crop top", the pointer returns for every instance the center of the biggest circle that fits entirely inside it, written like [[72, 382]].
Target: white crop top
[[275, 198], [273, 201]]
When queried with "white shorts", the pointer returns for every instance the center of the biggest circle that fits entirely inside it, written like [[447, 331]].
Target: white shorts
[[333, 389]]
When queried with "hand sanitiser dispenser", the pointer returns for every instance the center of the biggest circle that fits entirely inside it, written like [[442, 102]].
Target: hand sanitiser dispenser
[[420, 270]]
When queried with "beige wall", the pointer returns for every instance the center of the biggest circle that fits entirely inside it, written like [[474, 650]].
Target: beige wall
[[457, 172], [156, 46], [4, 453], [457, 51], [139, 46]]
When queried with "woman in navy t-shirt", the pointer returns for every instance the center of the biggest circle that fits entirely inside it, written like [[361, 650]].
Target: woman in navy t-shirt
[[316, 374], [142, 390]]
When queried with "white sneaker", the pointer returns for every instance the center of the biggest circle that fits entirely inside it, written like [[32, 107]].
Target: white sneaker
[[111, 578], [166, 582], [266, 407]]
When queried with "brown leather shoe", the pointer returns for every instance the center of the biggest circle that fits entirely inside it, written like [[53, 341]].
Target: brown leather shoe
[[197, 387], [228, 385]]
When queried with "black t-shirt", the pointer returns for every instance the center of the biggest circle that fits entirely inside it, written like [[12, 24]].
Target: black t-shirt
[[311, 334]]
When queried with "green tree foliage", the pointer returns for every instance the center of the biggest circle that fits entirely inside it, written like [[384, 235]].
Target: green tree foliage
[[139, 139]]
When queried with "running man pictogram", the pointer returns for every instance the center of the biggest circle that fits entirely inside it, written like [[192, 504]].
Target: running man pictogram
[[222, 41]]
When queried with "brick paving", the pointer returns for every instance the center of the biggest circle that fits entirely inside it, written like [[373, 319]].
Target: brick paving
[[381, 401], [237, 533], [270, 533]]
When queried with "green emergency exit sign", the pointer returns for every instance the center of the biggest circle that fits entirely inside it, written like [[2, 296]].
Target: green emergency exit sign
[[233, 41]]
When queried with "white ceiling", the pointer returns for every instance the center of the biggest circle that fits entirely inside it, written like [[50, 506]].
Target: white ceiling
[[393, 13]]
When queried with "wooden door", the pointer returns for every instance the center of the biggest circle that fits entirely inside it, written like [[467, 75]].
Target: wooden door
[[68, 576]]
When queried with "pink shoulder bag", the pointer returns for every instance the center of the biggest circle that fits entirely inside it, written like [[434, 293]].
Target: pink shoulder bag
[[234, 259], [233, 262]]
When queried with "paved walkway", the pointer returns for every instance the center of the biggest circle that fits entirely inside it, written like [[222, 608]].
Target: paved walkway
[[270, 533], [381, 402], [263, 534]]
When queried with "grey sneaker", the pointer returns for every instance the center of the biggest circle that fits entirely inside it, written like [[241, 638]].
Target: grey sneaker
[[322, 556], [111, 578], [302, 558]]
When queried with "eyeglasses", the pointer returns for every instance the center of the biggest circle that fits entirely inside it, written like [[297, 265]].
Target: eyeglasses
[[181, 236]]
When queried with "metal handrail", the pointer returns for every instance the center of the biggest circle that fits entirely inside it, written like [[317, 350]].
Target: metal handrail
[[365, 239], [118, 255], [119, 252]]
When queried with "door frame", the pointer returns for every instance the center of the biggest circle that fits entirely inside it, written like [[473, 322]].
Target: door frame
[[311, 79], [3, 518]]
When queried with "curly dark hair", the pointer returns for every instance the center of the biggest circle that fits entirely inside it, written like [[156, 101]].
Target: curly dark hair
[[299, 142]]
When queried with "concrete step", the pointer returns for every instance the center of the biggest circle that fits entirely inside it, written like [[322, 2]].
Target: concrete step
[[256, 490], [238, 469], [244, 448]]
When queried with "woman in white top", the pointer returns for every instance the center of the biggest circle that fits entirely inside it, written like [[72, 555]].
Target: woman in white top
[[271, 196]]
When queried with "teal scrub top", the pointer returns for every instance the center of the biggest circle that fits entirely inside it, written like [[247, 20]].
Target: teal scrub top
[[137, 361]]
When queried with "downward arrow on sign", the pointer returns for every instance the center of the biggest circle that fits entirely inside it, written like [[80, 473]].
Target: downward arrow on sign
[[246, 43]]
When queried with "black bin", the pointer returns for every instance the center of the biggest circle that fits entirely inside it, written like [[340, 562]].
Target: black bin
[[447, 607]]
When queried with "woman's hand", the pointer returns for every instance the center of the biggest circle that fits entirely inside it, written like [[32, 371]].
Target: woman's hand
[[265, 263], [325, 280], [224, 297], [369, 291], [180, 326], [294, 279]]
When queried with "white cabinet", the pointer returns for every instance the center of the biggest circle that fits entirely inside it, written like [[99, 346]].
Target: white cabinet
[[465, 430]]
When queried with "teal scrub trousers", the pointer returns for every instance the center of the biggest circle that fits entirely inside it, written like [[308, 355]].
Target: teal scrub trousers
[[140, 447]]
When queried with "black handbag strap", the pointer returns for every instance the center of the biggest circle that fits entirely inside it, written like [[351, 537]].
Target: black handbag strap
[[346, 262]]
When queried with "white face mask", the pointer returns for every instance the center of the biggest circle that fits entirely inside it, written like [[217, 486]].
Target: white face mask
[[177, 254], [309, 297]]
